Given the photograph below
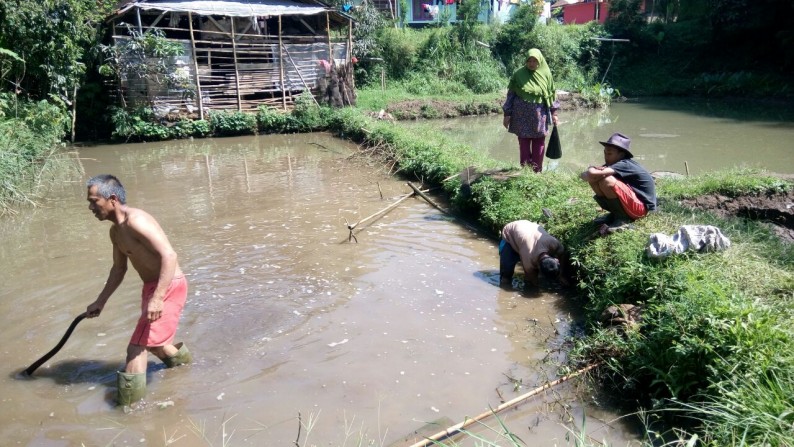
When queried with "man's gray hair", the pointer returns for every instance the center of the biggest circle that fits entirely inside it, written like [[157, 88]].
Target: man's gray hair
[[108, 185]]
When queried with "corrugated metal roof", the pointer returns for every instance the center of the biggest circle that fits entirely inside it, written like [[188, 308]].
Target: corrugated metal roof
[[240, 8]]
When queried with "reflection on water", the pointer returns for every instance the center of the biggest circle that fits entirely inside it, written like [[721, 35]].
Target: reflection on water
[[288, 322], [668, 134]]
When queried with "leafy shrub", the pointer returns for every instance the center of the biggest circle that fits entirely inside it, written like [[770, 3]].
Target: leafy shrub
[[430, 85], [270, 120], [481, 75], [308, 114], [399, 50], [512, 40], [369, 22], [438, 49], [571, 51], [190, 128], [226, 123]]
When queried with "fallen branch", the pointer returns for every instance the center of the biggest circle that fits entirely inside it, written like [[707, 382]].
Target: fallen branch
[[458, 427]]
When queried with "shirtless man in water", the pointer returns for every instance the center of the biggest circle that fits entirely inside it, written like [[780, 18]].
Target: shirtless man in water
[[137, 237]]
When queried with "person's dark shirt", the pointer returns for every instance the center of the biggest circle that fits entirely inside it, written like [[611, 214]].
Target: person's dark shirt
[[631, 173]]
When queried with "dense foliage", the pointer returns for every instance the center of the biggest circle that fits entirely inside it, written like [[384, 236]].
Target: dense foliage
[[710, 47], [54, 38], [45, 49]]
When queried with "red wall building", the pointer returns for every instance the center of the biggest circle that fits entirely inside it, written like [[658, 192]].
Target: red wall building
[[586, 12], [583, 11]]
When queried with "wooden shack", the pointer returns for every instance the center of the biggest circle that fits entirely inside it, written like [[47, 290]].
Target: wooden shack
[[240, 54]]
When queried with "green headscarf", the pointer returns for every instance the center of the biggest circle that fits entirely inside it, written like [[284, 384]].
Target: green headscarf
[[534, 86]]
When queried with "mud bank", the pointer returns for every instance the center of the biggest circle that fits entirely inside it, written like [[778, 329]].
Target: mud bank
[[774, 208]]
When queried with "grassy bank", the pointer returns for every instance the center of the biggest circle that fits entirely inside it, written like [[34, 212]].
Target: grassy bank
[[711, 355], [402, 105]]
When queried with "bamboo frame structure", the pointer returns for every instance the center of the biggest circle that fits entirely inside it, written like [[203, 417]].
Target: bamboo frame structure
[[235, 62]]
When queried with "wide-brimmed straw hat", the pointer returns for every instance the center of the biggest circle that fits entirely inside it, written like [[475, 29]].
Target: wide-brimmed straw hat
[[620, 141]]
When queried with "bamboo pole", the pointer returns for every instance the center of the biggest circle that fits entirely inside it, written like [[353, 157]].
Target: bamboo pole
[[352, 227], [328, 36], [74, 111], [350, 52], [247, 180], [428, 199], [446, 433], [281, 66], [195, 65], [404, 197], [140, 22], [236, 71], [301, 76]]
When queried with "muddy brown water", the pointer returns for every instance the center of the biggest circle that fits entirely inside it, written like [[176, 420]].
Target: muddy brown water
[[668, 134], [297, 333]]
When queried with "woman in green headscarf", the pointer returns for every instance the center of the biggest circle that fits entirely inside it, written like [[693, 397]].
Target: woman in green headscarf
[[531, 101]]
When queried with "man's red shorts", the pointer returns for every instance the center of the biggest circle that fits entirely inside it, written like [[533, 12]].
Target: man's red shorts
[[161, 331], [628, 199]]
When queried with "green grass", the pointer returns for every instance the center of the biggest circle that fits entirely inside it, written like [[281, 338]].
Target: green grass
[[373, 98]]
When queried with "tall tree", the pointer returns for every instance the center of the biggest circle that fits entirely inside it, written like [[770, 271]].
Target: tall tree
[[53, 37]]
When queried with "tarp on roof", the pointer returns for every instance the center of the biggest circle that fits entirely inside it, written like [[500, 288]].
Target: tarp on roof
[[562, 3], [241, 8]]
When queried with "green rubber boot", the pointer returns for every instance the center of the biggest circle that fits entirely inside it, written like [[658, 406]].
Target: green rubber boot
[[182, 357], [132, 388]]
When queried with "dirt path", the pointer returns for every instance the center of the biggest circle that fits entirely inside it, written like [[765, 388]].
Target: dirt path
[[775, 208]]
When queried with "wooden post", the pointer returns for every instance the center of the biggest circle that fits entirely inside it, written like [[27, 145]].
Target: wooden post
[[236, 71], [195, 65], [281, 66], [350, 52], [140, 23], [74, 111], [328, 35]]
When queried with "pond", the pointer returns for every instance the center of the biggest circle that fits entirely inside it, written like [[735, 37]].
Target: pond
[[667, 134], [299, 334]]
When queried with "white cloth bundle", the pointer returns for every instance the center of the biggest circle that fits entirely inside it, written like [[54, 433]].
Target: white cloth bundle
[[700, 238]]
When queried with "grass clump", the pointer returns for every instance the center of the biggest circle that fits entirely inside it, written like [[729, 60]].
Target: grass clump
[[729, 182], [30, 144]]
